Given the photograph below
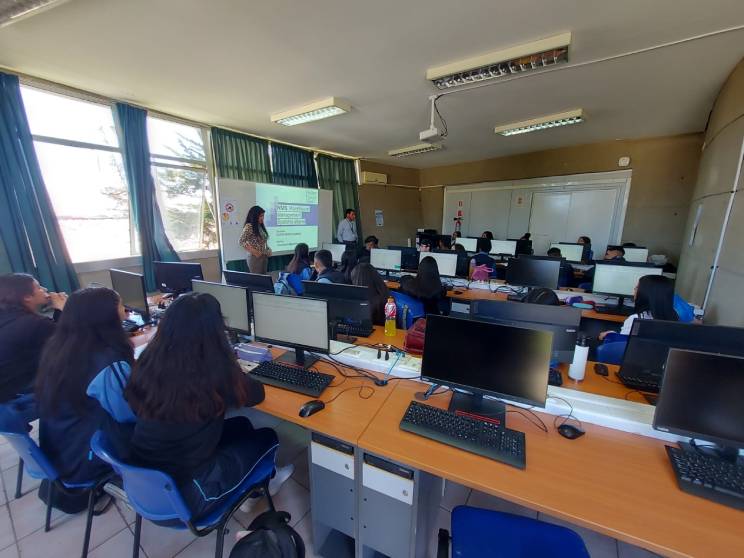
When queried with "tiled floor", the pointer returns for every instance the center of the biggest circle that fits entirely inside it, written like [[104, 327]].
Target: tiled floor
[[22, 521]]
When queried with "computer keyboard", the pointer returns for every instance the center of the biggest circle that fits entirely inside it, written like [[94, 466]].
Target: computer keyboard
[[555, 378], [640, 381], [292, 378], [708, 477], [476, 436], [354, 330], [130, 326], [616, 310]]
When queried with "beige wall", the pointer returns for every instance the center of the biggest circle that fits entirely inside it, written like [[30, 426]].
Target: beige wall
[[664, 171], [718, 170]]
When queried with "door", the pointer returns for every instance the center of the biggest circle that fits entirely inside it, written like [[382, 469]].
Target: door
[[548, 219], [591, 214], [489, 211]]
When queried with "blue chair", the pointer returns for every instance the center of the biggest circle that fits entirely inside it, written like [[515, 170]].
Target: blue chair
[[612, 350], [477, 533], [407, 307], [154, 496]]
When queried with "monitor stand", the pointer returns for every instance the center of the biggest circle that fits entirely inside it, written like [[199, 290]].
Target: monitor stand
[[297, 358], [726, 453], [489, 409]]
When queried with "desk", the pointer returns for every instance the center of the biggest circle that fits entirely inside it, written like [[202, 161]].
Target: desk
[[615, 483]]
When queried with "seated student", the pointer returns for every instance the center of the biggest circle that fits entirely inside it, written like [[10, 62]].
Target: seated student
[[298, 270], [180, 389], [455, 236], [586, 241], [483, 247], [541, 295], [364, 275], [88, 338], [427, 286], [487, 234], [459, 249], [654, 300], [324, 272], [566, 274], [349, 261], [371, 242], [23, 333], [615, 254]]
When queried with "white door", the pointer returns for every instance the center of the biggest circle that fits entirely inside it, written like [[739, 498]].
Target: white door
[[548, 219], [591, 215], [489, 211]]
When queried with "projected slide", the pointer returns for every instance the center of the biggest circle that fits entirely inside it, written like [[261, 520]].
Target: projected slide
[[291, 215]]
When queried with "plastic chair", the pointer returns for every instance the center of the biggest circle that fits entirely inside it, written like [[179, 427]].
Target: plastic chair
[[154, 496], [612, 350], [407, 307], [477, 532]]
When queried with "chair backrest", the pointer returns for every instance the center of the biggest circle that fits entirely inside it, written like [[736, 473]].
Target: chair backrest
[[36, 463], [152, 494], [611, 352], [414, 308]]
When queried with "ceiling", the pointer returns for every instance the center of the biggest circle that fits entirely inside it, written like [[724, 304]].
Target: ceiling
[[233, 63]]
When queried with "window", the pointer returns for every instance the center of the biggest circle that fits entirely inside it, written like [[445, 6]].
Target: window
[[179, 167], [78, 152]]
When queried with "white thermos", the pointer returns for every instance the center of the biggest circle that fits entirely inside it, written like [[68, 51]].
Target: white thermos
[[581, 352]]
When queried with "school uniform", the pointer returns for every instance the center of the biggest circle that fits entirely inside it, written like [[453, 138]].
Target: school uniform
[[331, 276]]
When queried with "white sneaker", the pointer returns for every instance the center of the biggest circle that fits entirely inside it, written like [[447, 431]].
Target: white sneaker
[[281, 476]]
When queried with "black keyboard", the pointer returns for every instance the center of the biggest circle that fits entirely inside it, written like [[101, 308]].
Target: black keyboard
[[129, 326], [640, 381], [555, 378], [616, 310], [292, 378], [708, 477], [354, 330], [476, 436]]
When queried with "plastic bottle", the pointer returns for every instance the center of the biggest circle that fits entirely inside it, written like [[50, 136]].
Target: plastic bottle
[[581, 352], [390, 311]]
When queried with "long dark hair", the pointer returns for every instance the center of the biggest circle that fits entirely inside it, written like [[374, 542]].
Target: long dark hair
[[428, 282], [349, 260], [188, 372], [300, 260], [655, 295], [14, 287], [252, 219], [364, 275], [89, 326], [585, 240]]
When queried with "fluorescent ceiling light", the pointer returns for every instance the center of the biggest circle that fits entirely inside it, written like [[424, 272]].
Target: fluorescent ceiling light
[[326, 108], [541, 123], [513, 60], [415, 149], [13, 10]]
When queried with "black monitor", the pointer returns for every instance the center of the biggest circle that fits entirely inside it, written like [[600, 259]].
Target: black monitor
[[533, 272], [347, 304], [490, 359], [445, 239], [562, 321], [296, 322], [250, 281], [701, 398], [175, 277], [131, 289], [523, 246], [409, 258], [233, 302], [650, 341]]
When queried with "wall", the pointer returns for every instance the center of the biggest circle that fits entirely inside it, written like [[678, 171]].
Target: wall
[[664, 171], [718, 170]]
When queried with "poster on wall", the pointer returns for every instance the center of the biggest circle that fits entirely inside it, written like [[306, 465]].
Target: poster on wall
[[379, 218]]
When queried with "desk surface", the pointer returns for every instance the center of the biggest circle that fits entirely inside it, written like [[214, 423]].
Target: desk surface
[[613, 482]]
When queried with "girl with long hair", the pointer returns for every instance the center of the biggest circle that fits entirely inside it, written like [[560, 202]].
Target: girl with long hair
[[364, 275], [426, 286], [300, 262], [654, 300], [254, 240]]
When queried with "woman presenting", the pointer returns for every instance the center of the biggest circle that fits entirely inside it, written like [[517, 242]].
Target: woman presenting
[[254, 239]]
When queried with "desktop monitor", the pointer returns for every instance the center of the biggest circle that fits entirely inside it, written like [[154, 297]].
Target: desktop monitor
[[573, 253], [336, 250], [175, 277], [620, 279], [348, 305], [651, 340], [299, 323], [233, 302], [387, 260], [533, 272], [470, 244], [508, 247], [637, 254], [408, 257], [701, 399], [491, 359], [562, 321], [463, 262], [131, 289], [446, 262], [250, 281]]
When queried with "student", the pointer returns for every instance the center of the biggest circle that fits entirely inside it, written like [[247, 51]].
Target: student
[[370, 243], [23, 333], [654, 300], [566, 274], [298, 270], [544, 296], [324, 272], [483, 247], [427, 287], [455, 236], [180, 389], [364, 275], [615, 254], [460, 250], [254, 240], [586, 241], [346, 232], [88, 339], [349, 261], [487, 234]]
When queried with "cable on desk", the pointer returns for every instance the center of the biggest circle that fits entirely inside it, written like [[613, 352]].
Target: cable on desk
[[565, 417], [360, 388], [539, 423]]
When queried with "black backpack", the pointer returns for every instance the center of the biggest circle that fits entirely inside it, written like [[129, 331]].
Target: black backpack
[[270, 537]]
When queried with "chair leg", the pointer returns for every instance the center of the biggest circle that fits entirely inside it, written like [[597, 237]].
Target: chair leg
[[268, 496], [89, 522], [19, 480], [50, 497], [137, 533], [220, 540]]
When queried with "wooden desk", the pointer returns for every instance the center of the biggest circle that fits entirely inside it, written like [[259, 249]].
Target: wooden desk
[[609, 481], [609, 386]]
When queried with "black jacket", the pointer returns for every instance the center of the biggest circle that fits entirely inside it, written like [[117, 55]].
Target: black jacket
[[332, 276], [22, 337]]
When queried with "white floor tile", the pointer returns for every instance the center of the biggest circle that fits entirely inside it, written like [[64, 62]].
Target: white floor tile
[[162, 542], [126, 512], [30, 484], [118, 546], [6, 528], [598, 545], [8, 457], [454, 495], [203, 547], [10, 552], [28, 514], [625, 550], [3, 495], [292, 498], [305, 529], [486, 501]]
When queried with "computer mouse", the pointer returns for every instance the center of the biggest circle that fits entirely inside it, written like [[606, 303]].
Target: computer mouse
[[458, 292], [600, 369], [311, 407], [570, 431]]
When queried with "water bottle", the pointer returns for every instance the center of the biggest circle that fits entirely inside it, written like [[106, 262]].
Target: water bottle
[[581, 352], [390, 312]]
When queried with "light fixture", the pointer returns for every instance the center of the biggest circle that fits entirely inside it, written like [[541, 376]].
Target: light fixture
[[513, 60], [13, 10], [326, 108], [415, 149], [541, 123]]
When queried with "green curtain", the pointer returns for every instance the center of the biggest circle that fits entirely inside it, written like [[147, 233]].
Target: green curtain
[[240, 156], [293, 166], [339, 176], [31, 237]]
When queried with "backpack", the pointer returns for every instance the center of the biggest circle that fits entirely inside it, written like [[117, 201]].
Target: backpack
[[481, 273], [270, 537], [288, 284]]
